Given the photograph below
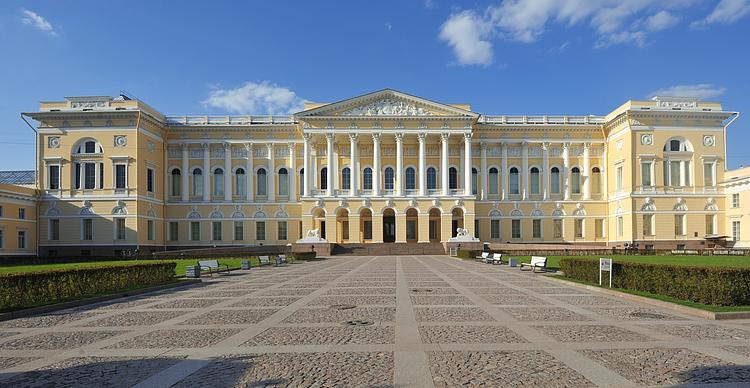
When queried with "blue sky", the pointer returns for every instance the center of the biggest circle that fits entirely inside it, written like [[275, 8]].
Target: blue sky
[[502, 57]]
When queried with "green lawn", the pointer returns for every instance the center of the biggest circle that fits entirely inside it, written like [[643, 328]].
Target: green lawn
[[179, 269], [553, 262]]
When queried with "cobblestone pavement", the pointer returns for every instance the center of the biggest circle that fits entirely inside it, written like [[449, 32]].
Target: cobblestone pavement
[[421, 321]]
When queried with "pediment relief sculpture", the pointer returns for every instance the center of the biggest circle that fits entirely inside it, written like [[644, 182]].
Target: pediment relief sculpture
[[388, 107]]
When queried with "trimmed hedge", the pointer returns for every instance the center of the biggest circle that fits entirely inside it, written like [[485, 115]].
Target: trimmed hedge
[[303, 255], [28, 289], [467, 254], [718, 286]]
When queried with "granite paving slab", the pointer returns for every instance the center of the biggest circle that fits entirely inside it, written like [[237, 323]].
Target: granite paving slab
[[469, 334], [176, 338], [324, 335], [57, 340], [591, 333]]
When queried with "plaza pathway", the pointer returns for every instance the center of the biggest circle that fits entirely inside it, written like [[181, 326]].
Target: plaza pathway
[[421, 321]]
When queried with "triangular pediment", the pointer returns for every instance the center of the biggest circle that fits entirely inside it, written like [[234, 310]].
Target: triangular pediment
[[386, 103]]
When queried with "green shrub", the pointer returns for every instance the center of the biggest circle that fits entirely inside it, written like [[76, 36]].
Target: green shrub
[[18, 290], [467, 254], [718, 286], [303, 255]]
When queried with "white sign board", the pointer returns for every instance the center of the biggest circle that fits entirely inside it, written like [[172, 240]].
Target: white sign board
[[605, 265]]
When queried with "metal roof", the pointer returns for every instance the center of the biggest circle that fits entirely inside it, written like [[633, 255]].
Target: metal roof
[[24, 177]]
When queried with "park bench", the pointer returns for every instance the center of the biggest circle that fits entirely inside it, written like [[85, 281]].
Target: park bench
[[264, 260], [497, 258], [280, 259], [483, 257], [536, 262], [213, 266], [691, 252]]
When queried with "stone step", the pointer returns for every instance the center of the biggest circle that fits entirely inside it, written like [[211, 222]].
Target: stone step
[[386, 249]]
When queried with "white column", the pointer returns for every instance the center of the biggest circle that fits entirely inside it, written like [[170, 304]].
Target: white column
[[399, 164], [250, 173], [206, 172], [525, 167], [271, 176], [185, 177], [545, 166], [566, 170], [586, 171], [228, 172], [376, 164], [444, 164], [483, 166], [306, 165], [467, 165], [329, 164], [603, 172], [505, 170], [422, 164], [292, 173], [353, 157]]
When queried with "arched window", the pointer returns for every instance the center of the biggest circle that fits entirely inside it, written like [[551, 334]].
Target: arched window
[[283, 182], [474, 176], [493, 181], [575, 180], [262, 182], [89, 147], [176, 182], [218, 182], [240, 182], [324, 178], [555, 180], [346, 176], [197, 182], [678, 145], [388, 176], [367, 179], [431, 178], [514, 189], [301, 180], [452, 178], [534, 180], [411, 179], [596, 180]]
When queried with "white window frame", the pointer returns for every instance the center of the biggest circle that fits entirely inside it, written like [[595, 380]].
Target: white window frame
[[151, 230], [679, 221], [499, 235], [561, 221], [215, 231], [238, 226], [620, 226], [152, 172], [83, 229], [260, 226], [195, 236], [579, 231], [619, 177], [120, 236], [282, 232], [650, 232], [736, 230], [735, 200], [534, 223], [176, 235], [22, 239], [49, 176], [51, 236], [520, 229]]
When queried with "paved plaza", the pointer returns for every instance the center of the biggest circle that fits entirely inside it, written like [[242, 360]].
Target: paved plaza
[[418, 321]]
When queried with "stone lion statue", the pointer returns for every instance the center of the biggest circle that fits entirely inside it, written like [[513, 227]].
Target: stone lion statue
[[462, 232], [313, 233]]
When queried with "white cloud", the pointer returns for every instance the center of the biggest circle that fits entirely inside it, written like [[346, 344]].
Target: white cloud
[[701, 91], [467, 33], [660, 21], [388, 26], [34, 19], [726, 12], [429, 4], [255, 98]]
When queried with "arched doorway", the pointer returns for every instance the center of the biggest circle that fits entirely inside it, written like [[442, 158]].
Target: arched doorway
[[365, 224], [389, 225], [434, 225], [457, 220], [412, 228], [342, 225], [319, 221]]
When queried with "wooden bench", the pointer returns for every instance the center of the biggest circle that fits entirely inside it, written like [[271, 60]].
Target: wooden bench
[[536, 262], [497, 258], [264, 260], [483, 257], [280, 260], [213, 266]]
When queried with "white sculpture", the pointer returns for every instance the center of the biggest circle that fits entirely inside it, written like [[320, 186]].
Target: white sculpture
[[462, 235], [462, 232], [313, 233]]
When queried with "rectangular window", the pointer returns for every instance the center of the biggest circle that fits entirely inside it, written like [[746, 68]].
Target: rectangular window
[[78, 176], [1, 238], [599, 227], [495, 229], [89, 176], [710, 224], [515, 229], [735, 200], [54, 230], [735, 231], [708, 175], [648, 224], [151, 230], [120, 229], [239, 230], [476, 228], [195, 231], [87, 229], [54, 177], [174, 231], [674, 174], [22, 214], [679, 224], [22, 239], [260, 230], [120, 176], [345, 229], [101, 175], [411, 230], [1, 211], [536, 228], [150, 180], [281, 229], [367, 230], [619, 178], [646, 174], [578, 227], [216, 231], [557, 228], [620, 226]]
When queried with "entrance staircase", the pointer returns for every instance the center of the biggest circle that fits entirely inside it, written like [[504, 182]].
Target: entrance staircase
[[387, 249]]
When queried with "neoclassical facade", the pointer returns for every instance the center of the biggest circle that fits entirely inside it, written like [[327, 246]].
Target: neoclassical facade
[[385, 167]]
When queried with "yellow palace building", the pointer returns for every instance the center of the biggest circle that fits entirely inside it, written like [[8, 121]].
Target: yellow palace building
[[384, 167]]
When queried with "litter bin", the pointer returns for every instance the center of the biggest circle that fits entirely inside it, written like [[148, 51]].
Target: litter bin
[[245, 264], [193, 271], [512, 262]]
